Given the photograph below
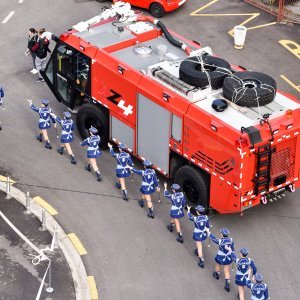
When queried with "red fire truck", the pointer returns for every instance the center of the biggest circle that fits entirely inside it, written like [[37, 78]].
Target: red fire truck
[[223, 133], [157, 8]]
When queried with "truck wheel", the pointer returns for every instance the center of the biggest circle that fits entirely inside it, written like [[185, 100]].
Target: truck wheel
[[157, 10], [194, 185], [196, 74], [249, 89], [91, 115]]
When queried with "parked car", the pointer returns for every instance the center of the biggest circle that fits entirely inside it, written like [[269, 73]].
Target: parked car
[[156, 7]]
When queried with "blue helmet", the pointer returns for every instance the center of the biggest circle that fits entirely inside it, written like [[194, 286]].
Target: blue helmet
[[244, 251], [225, 232], [67, 115], [122, 146], [45, 102], [93, 130], [258, 277], [147, 163], [200, 209], [175, 187]]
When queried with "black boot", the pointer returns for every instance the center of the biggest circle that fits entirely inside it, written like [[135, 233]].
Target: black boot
[[150, 213], [201, 262], [48, 145], [141, 203], [98, 175], [39, 137], [88, 168], [196, 252], [171, 227], [227, 285], [180, 238], [125, 195], [216, 275], [73, 159], [118, 185], [61, 150]]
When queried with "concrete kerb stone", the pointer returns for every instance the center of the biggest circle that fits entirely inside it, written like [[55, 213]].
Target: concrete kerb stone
[[74, 260]]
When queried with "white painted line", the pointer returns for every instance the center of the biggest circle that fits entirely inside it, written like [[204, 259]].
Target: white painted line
[[20, 1], [8, 17]]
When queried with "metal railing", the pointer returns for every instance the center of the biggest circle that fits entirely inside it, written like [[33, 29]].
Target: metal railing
[[284, 10]]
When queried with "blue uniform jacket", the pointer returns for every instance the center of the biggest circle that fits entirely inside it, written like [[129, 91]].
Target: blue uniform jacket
[[123, 163], [178, 201], [67, 129], [45, 117], [149, 182], [259, 291], [201, 224], [243, 269], [1, 95], [92, 142], [223, 256]]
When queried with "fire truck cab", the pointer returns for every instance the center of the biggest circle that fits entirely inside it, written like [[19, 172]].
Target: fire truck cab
[[128, 76]]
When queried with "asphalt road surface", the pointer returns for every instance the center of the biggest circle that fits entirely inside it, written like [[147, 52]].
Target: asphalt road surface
[[130, 255]]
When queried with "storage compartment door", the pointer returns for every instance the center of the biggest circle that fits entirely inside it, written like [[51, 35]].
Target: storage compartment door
[[153, 133], [122, 133]]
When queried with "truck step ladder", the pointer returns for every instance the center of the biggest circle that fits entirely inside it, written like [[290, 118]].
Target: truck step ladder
[[263, 169]]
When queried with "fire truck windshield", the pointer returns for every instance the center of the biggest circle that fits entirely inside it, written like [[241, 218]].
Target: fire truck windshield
[[68, 75]]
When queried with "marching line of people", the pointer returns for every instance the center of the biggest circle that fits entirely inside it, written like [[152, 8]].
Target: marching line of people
[[225, 256]]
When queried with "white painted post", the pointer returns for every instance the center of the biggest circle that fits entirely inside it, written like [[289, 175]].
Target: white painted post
[[28, 202], [43, 227], [8, 196]]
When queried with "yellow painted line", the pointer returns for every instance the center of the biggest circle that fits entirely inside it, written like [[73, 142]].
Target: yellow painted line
[[194, 13], [296, 87], [291, 46], [93, 288], [4, 178], [50, 209], [260, 26], [230, 32], [77, 244]]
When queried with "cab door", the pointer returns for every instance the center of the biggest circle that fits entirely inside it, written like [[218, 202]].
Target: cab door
[[68, 75], [64, 75]]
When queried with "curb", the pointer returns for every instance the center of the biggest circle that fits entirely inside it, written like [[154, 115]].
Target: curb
[[78, 271]]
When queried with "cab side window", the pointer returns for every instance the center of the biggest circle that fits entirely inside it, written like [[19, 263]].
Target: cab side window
[[65, 61], [82, 74]]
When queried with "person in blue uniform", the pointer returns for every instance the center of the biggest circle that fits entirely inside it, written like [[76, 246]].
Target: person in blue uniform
[[244, 266], [44, 121], [201, 230], [1, 101], [259, 290], [178, 202], [148, 187], [67, 136], [123, 170], [223, 257], [93, 151]]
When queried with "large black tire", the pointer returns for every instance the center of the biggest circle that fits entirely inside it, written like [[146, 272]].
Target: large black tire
[[157, 10], [193, 73], [249, 89], [194, 185], [91, 115]]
